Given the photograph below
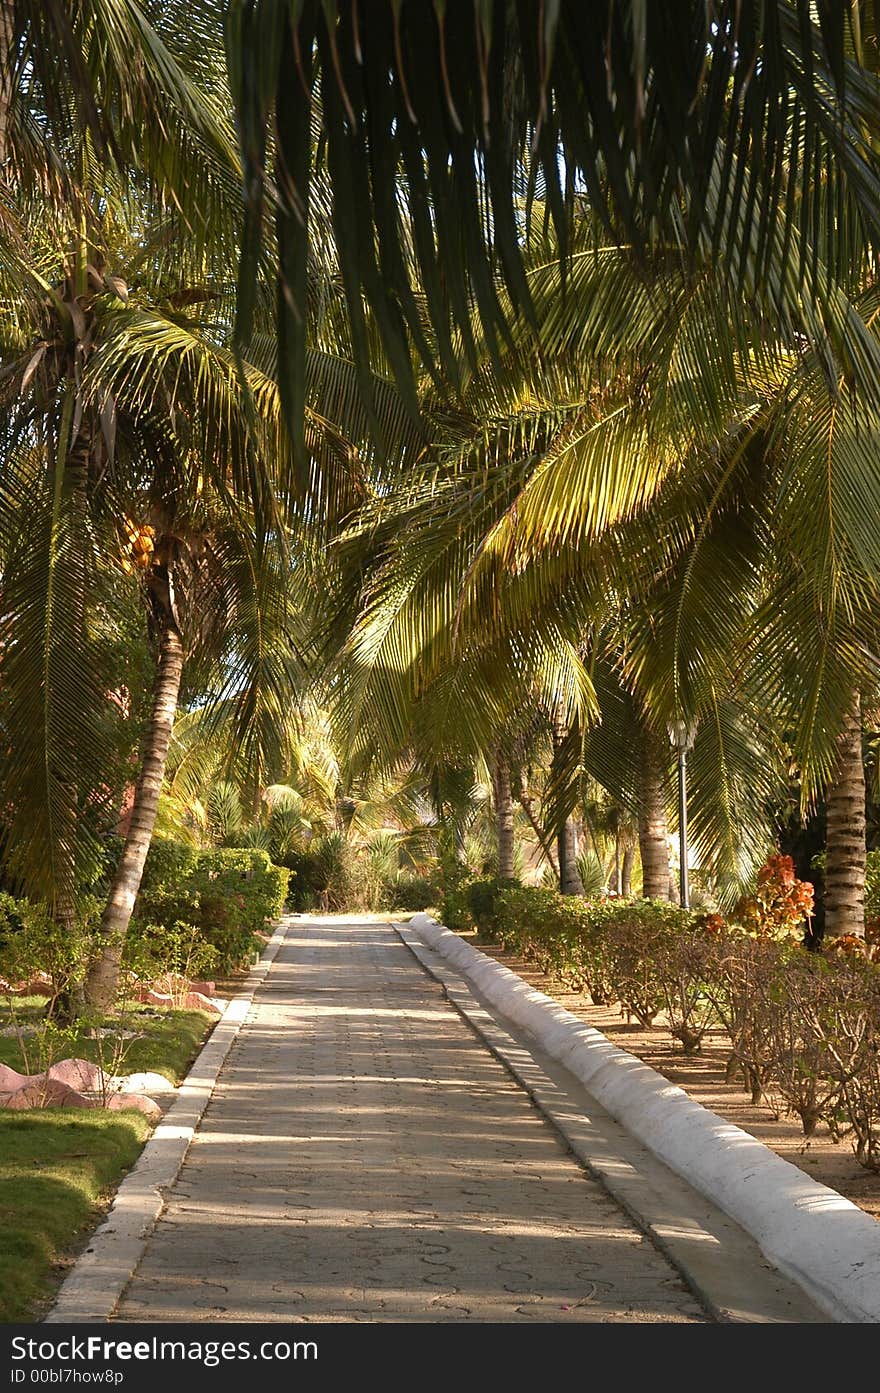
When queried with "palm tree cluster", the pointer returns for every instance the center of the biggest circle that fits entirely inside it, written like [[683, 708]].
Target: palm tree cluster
[[498, 383]]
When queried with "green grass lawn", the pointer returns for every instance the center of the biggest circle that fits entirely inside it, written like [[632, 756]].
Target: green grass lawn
[[169, 1043], [55, 1169], [58, 1167]]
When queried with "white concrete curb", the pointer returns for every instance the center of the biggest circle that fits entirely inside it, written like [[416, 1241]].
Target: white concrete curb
[[822, 1241], [92, 1288]]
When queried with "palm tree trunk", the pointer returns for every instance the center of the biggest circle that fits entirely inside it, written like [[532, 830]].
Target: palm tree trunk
[[7, 41], [503, 817], [570, 882], [102, 980], [845, 834], [629, 855], [653, 829], [544, 841]]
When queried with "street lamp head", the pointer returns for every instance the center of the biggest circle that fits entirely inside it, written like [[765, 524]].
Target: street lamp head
[[682, 735]]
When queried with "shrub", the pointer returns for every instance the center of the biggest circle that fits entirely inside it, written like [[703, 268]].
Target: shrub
[[336, 873], [740, 965], [174, 953], [481, 896], [685, 962], [800, 1010], [560, 934], [607, 946], [227, 895], [32, 944], [416, 892], [454, 911], [804, 1028], [637, 934], [781, 906], [240, 893]]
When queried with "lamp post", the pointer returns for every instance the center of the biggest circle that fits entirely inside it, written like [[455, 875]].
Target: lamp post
[[681, 735]]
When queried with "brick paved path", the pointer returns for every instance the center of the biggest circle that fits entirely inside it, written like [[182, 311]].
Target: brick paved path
[[364, 1157]]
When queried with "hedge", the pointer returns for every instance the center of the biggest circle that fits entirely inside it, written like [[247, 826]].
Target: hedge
[[804, 1027], [226, 895]]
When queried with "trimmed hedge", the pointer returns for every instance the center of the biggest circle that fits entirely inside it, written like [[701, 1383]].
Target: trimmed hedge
[[804, 1027]]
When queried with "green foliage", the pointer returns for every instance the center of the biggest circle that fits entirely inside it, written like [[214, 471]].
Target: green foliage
[[415, 892], [204, 907], [13, 913], [591, 872], [804, 1029], [240, 893], [32, 943], [603, 946], [164, 1042], [482, 900], [173, 953], [454, 909], [324, 874], [336, 873]]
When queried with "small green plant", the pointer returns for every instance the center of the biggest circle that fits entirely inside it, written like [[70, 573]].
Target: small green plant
[[169, 956], [415, 892]]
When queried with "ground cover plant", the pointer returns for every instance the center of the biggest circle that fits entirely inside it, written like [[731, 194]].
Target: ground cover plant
[[143, 1039]]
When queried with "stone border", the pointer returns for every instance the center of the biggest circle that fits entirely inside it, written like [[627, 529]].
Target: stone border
[[826, 1244], [92, 1288]]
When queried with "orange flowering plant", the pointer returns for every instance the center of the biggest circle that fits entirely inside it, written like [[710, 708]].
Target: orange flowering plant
[[781, 906]]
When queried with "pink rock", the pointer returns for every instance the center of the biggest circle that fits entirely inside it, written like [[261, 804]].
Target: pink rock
[[148, 997], [197, 1001], [187, 1001], [39, 985], [40, 1092], [117, 1101], [10, 1080], [205, 987], [78, 1073], [75, 1099]]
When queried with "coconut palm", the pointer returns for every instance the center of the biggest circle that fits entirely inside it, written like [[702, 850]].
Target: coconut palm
[[138, 88], [844, 870], [681, 126], [681, 492]]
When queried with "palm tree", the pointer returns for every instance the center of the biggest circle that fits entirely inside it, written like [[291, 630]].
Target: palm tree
[[751, 102], [503, 802], [679, 125], [85, 173], [139, 87], [845, 832], [673, 511]]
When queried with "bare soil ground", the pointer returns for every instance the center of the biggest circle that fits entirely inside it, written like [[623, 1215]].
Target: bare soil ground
[[703, 1077]]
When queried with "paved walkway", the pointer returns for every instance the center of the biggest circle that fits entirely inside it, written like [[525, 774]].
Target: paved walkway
[[365, 1157]]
